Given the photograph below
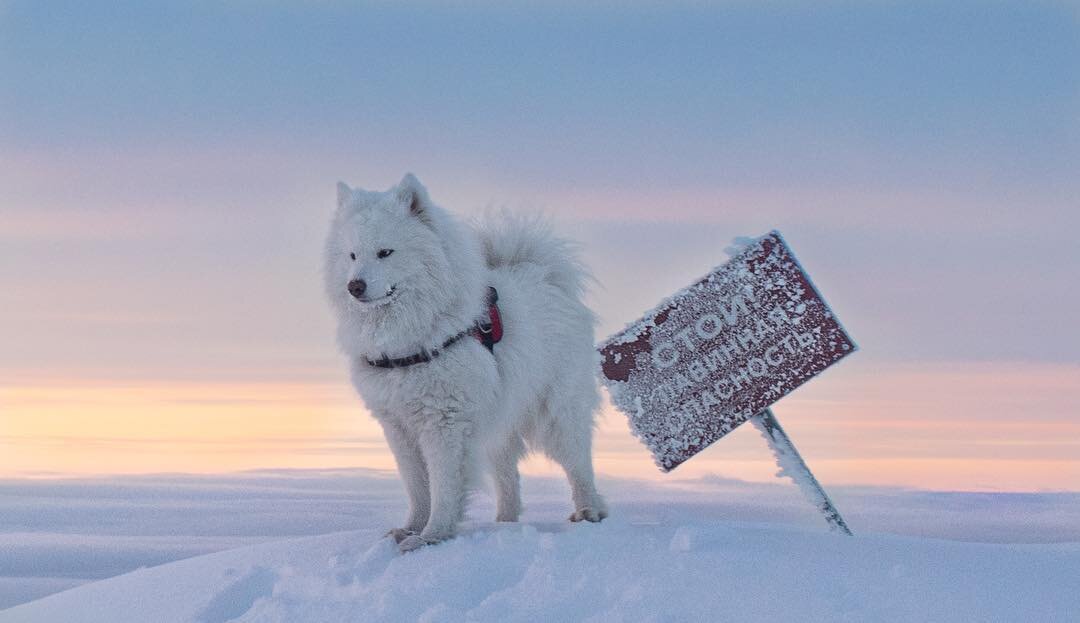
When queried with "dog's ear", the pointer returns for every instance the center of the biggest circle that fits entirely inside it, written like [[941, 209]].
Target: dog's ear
[[413, 195], [344, 194]]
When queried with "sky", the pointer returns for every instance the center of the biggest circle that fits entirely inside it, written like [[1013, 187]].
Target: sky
[[167, 174]]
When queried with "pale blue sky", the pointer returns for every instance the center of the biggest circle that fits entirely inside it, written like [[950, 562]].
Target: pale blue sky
[[173, 163], [736, 92]]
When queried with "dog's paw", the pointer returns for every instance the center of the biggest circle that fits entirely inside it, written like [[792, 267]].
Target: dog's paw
[[588, 514], [412, 543], [400, 534], [415, 541]]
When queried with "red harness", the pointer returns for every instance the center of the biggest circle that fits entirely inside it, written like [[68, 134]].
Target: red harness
[[491, 332]]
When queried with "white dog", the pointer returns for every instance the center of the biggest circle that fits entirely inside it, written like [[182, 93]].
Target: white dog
[[414, 289]]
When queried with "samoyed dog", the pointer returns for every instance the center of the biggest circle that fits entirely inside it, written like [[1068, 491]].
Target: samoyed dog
[[469, 344]]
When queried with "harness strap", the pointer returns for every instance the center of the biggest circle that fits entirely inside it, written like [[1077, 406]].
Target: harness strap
[[489, 333]]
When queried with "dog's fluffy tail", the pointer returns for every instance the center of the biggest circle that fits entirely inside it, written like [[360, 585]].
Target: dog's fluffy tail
[[512, 239]]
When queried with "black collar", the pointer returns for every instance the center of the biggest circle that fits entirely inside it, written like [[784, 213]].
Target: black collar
[[423, 356], [480, 330]]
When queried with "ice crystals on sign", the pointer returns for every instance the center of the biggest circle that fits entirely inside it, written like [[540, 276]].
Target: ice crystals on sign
[[711, 356]]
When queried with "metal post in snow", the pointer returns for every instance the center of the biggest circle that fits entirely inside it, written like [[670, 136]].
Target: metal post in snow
[[792, 465]]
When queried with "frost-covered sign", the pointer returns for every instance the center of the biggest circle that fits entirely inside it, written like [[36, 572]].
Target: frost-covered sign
[[718, 352]]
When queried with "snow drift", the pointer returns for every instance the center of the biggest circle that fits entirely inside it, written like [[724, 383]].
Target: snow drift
[[696, 551], [616, 571]]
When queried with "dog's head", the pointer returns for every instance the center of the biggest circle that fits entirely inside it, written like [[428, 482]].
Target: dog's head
[[382, 247]]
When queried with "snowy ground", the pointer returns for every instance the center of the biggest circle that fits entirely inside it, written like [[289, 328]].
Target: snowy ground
[[305, 546]]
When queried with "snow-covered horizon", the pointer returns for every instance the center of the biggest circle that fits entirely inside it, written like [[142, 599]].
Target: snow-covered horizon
[[59, 534]]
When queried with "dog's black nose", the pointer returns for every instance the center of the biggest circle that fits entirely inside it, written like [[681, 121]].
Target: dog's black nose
[[357, 287]]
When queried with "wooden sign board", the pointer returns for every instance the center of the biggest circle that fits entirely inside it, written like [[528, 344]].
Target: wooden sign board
[[718, 352]]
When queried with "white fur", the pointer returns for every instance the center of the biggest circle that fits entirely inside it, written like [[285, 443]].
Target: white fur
[[466, 411]]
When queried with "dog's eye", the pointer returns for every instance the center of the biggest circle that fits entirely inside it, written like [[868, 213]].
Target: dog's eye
[[352, 256], [384, 253]]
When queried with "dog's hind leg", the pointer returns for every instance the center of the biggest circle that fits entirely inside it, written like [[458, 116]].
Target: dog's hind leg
[[567, 439], [504, 460], [410, 464]]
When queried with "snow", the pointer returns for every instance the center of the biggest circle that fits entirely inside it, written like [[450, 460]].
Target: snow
[[60, 533], [739, 245], [686, 551], [617, 571]]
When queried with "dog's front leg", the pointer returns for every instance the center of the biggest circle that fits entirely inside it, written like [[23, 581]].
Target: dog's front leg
[[410, 463], [444, 448]]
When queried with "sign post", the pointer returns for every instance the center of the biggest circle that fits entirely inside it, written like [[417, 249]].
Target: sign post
[[792, 465], [721, 352]]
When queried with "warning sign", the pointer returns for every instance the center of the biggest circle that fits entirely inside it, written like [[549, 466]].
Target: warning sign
[[718, 352]]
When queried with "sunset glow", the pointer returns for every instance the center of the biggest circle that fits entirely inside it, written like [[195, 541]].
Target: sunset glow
[[936, 427]]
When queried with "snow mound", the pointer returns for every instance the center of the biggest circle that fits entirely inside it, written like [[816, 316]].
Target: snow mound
[[614, 571]]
